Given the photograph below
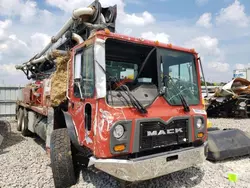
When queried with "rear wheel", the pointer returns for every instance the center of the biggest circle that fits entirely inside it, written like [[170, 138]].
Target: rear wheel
[[19, 119], [61, 159], [24, 126]]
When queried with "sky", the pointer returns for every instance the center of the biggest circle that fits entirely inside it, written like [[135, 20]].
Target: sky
[[218, 30]]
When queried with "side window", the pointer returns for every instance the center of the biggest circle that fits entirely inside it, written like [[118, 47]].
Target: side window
[[84, 64], [88, 73]]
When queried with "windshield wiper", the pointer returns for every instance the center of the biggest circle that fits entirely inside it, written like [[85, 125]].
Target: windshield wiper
[[135, 103], [144, 62], [183, 100]]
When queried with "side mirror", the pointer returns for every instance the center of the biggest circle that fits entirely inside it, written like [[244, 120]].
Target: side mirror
[[77, 67], [77, 72]]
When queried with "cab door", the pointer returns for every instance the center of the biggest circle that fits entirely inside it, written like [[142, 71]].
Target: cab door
[[81, 94]]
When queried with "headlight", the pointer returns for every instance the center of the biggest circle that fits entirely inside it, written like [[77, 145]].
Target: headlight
[[199, 123], [118, 131]]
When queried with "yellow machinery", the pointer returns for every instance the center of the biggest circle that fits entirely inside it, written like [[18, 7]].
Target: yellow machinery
[[209, 123]]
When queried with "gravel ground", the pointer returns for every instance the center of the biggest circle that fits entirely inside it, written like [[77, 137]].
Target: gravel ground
[[24, 163]]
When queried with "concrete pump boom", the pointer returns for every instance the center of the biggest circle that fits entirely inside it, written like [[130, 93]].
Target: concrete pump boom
[[82, 23]]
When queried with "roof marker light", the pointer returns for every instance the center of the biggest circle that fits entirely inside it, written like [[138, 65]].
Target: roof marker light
[[107, 31]]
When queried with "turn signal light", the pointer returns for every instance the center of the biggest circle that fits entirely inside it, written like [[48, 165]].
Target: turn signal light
[[200, 135], [119, 148], [107, 31]]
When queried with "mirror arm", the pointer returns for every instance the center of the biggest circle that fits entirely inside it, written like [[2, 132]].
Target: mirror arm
[[77, 82], [80, 90]]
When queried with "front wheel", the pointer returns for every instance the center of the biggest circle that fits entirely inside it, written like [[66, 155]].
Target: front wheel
[[61, 159]]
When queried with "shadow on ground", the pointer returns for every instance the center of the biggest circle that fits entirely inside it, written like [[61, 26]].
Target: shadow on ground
[[10, 140], [232, 159], [187, 178], [39, 141]]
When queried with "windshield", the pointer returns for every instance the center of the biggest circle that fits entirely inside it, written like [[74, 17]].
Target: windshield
[[134, 66], [144, 70], [178, 69]]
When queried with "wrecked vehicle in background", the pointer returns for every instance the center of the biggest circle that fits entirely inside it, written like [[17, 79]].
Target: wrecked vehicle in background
[[110, 102], [5, 129], [231, 100]]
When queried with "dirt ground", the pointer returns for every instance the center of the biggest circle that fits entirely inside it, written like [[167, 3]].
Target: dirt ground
[[24, 163]]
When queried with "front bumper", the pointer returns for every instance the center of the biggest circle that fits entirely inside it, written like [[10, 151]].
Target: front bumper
[[151, 166]]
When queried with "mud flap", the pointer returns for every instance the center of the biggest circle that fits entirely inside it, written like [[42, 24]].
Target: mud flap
[[229, 143]]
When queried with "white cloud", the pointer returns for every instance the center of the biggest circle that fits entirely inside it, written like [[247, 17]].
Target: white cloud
[[9, 69], [28, 12], [219, 66], [69, 6], [39, 41], [25, 9], [205, 20], [212, 56], [201, 2], [205, 45], [139, 19], [16, 51], [3, 47], [14, 47], [234, 14], [10, 7], [3, 26], [242, 66], [10, 75], [162, 37]]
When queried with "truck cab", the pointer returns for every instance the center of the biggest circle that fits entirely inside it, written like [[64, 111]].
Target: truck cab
[[136, 105]]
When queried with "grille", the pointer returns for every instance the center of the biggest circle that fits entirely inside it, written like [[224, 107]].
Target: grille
[[157, 134]]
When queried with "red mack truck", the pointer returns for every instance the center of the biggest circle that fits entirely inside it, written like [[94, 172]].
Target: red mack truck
[[127, 106]]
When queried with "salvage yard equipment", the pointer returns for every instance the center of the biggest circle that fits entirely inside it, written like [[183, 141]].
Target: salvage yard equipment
[[232, 100], [113, 102], [5, 129], [227, 143]]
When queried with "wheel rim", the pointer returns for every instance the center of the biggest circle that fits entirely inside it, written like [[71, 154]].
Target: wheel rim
[[18, 119], [22, 127]]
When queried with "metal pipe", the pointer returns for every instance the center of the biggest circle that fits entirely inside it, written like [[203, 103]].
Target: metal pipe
[[203, 75], [75, 15], [103, 19], [41, 59], [77, 38], [82, 11]]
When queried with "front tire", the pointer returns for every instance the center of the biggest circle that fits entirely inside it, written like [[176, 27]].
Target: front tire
[[61, 159]]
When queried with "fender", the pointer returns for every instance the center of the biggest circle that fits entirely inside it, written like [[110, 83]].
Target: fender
[[71, 131]]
